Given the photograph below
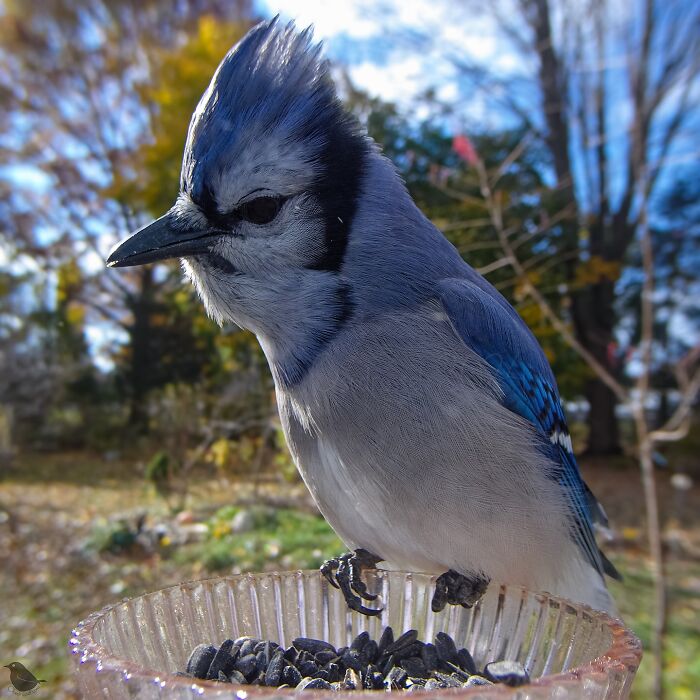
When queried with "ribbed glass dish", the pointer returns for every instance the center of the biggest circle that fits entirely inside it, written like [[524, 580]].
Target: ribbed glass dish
[[133, 648]]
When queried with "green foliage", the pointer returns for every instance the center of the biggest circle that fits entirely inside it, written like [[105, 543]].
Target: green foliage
[[158, 470], [278, 538], [112, 537]]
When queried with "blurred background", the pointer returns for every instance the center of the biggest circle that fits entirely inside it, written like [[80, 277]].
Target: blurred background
[[555, 142]]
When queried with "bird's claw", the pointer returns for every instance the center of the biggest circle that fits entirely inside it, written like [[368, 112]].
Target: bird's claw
[[345, 573], [458, 589]]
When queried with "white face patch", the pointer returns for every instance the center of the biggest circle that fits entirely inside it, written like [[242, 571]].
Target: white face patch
[[187, 215], [267, 164]]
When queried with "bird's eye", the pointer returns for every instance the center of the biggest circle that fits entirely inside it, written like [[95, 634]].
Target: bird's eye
[[261, 210]]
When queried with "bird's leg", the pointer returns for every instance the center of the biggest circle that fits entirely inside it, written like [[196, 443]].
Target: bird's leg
[[345, 573], [458, 589]]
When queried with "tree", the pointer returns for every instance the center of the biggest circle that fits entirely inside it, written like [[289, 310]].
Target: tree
[[591, 66], [78, 80]]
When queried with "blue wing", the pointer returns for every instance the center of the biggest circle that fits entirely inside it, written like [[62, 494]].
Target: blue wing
[[492, 328]]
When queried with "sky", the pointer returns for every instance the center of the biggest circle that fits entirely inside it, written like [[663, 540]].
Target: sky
[[399, 70]]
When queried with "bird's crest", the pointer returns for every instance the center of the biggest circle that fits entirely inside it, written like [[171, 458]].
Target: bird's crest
[[271, 87]]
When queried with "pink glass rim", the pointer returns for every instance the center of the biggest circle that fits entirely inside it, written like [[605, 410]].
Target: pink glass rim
[[623, 655]]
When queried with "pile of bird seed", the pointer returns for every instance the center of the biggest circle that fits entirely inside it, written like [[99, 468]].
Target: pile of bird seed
[[404, 663]]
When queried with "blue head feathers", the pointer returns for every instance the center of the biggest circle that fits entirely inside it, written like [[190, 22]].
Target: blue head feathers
[[273, 103]]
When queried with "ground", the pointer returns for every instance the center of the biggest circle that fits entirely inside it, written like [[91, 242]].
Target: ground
[[64, 553]]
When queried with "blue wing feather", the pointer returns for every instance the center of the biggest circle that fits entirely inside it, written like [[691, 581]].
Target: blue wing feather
[[492, 328]]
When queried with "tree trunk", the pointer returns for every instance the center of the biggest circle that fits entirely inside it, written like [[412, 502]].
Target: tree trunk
[[140, 373], [594, 324], [603, 433]]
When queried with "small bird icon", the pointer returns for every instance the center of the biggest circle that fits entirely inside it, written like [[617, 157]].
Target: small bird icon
[[21, 678]]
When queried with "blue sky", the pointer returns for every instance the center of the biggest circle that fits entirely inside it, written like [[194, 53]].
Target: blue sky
[[397, 71]]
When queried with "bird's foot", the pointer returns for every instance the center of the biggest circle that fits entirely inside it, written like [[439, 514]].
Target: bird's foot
[[345, 573], [458, 589]]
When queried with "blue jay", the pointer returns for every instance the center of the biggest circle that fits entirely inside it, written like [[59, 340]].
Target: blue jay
[[418, 407]]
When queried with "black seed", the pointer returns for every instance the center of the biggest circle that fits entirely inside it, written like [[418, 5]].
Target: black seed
[[396, 678], [261, 661], [405, 640], [311, 683], [385, 640], [351, 659], [466, 661], [324, 657], [377, 680], [433, 684], [447, 681], [457, 671], [273, 674], [240, 641], [248, 646], [200, 660], [511, 673], [322, 673], [352, 680], [429, 656], [303, 657], [223, 661], [291, 676], [308, 668], [291, 654], [445, 647], [359, 642], [410, 650], [334, 672], [389, 664], [237, 677], [369, 652], [248, 666], [414, 666], [313, 646], [476, 680], [417, 680]]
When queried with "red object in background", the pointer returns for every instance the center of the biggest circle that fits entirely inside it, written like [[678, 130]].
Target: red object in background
[[462, 146]]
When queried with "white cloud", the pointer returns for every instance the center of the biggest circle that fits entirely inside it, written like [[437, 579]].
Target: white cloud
[[329, 18], [407, 71]]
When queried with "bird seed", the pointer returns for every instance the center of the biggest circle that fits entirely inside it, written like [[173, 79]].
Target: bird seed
[[402, 663]]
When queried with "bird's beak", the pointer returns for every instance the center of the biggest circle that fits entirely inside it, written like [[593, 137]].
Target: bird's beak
[[159, 240]]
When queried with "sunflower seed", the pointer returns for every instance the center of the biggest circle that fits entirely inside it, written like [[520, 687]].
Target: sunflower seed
[[311, 683], [291, 676], [476, 680], [445, 647], [405, 640], [313, 646], [510, 673], [200, 660], [466, 662], [222, 662], [236, 677], [273, 673]]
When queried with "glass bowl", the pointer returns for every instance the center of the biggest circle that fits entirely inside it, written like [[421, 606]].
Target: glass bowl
[[133, 649]]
